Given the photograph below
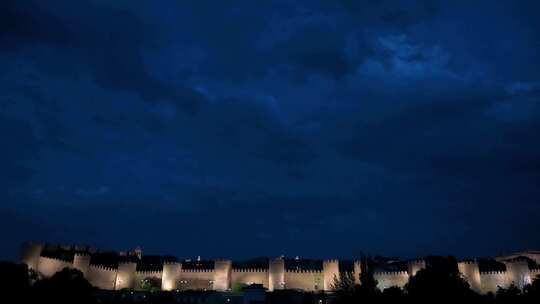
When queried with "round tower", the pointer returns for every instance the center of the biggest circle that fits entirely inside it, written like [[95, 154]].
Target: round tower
[[222, 275], [517, 272], [30, 254], [414, 266], [330, 274], [171, 275], [471, 272], [276, 274], [81, 261], [125, 277], [357, 271]]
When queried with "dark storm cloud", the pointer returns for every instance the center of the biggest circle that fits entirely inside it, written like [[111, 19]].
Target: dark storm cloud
[[288, 124], [111, 49]]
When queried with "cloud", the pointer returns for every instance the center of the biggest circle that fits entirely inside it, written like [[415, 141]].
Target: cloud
[[285, 122]]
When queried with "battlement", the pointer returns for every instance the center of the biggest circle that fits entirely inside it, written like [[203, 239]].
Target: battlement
[[197, 270], [417, 261], [468, 262], [483, 273], [59, 259], [390, 273], [303, 271], [149, 273], [330, 261], [249, 270], [101, 267], [222, 261]]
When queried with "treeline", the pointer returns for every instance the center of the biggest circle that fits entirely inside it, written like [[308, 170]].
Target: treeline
[[439, 282]]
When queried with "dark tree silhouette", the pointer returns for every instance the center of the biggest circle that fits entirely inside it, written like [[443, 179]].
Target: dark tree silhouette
[[14, 280], [393, 295], [65, 286], [368, 285], [532, 292], [164, 297], [439, 281], [345, 290], [512, 294]]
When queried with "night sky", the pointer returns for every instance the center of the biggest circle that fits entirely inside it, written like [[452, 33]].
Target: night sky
[[259, 128]]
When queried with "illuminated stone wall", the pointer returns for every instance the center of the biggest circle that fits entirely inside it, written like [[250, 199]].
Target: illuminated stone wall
[[250, 276], [102, 277], [517, 273], [276, 274], [222, 277], [308, 280], [31, 254], [81, 262], [197, 279], [47, 267], [330, 273], [414, 266], [389, 279], [171, 276], [491, 280], [471, 272], [142, 275], [126, 277]]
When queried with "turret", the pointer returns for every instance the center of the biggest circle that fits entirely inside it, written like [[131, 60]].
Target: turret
[[126, 275], [517, 272], [471, 272], [330, 274], [81, 261], [30, 254], [414, 266], [276, 274], [171, 275], [222, 275], [357, 271]]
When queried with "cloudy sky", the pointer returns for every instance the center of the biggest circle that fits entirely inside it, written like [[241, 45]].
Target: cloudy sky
[[248, 128]]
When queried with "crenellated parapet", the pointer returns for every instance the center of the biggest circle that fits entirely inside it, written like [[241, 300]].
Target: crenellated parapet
[[249, 270], [47, 267], [198, 270], [304, 271], [391, 273], [101, 267], [386, 279], [103, 277], [492, 272], [149, 274]]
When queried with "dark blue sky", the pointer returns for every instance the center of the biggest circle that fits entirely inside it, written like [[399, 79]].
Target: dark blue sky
[[248, 128]]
